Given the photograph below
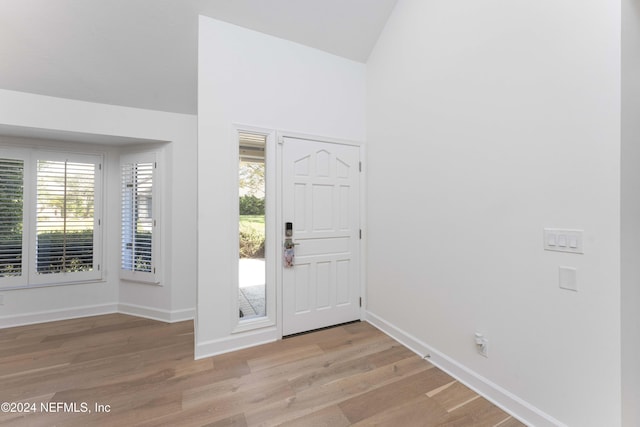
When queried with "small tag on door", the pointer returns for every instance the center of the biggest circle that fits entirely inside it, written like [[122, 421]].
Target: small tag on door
[[288, 256]]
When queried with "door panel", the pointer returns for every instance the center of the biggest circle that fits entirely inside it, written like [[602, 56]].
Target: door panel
[[321, 198]]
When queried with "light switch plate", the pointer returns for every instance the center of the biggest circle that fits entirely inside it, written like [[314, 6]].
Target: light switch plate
[[563, 240], [568, 278]]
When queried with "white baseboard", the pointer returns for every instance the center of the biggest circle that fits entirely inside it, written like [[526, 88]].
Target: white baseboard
[[156, 313], [502, 398], [236, 342], [182, 315], [96, 310], [53, 315]]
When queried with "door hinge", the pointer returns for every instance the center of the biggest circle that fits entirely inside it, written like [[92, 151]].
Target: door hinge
[[360, 301], [360, 234], [360, 166]]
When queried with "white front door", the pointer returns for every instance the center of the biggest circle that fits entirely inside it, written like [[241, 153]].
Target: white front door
[[321, 198]]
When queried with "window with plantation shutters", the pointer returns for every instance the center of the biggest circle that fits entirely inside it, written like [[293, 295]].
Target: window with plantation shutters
[[50, 210], [64, 216], [11, 217], [139, 224]]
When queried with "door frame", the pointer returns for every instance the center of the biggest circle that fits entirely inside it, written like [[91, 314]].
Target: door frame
[[279, 228]]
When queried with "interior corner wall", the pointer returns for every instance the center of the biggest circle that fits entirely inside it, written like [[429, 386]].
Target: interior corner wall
[[252, 79], [487, 122], [630, 212], [175, 299]]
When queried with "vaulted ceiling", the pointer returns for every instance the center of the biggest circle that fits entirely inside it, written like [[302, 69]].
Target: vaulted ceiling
[[143, 53]]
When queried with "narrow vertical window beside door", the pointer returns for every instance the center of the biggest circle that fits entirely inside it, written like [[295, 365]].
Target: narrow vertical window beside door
[[252, 236]]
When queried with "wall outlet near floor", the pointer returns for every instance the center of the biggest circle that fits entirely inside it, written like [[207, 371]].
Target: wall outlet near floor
[[482, 344]]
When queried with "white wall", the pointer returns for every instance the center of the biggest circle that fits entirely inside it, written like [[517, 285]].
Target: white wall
[[76, 120], [250, 78], [630, 212], [486, 122]]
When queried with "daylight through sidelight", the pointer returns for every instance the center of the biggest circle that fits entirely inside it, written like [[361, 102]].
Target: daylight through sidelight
[[251, 274]]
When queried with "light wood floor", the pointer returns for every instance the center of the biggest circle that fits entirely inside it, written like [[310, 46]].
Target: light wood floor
[[144, 370]]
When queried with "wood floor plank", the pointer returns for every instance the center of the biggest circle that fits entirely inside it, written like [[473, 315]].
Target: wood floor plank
[[145, 372], [346, 364], [237, 420], [331, 416], [284, 358], [394, 394], [96, 374], [309, 399], [421, 411], [483, 412], [454, 396], [510, 422], [313, 370]]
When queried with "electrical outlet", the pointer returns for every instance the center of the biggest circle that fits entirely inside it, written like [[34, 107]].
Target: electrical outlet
[[482, 344]]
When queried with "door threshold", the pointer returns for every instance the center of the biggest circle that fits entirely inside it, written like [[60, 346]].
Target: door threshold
[[319, 329]]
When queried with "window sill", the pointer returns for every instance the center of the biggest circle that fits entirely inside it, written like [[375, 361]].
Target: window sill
[[144, 278]]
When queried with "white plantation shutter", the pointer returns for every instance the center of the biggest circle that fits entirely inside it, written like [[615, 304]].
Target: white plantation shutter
[[65, 216], [11, 218], [139, 244]]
